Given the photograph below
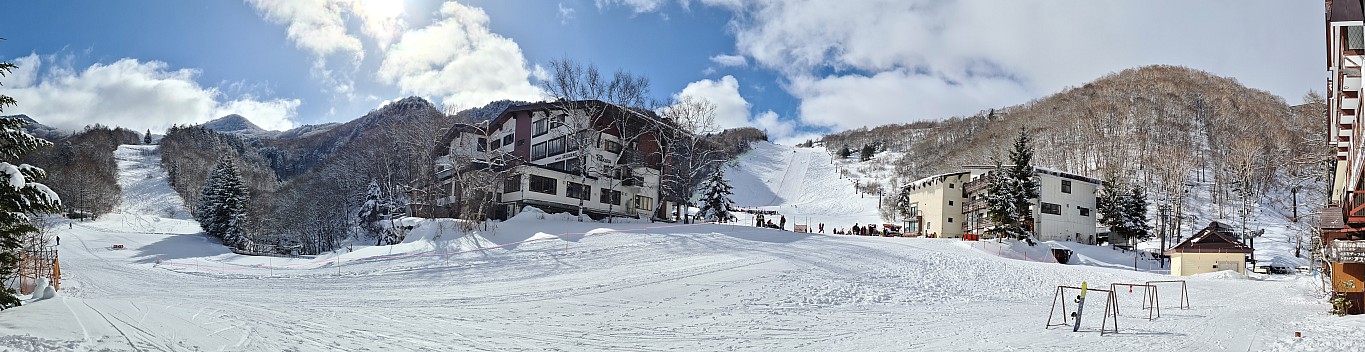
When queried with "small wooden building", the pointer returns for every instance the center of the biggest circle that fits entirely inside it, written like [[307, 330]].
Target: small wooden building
[[1214, 248]]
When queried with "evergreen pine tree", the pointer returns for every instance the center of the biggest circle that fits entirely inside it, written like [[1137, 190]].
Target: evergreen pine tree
[[1124, 211], [844, 152], [1012, 190], [716, 202], [372, 210], [22, 194], [222, 207], [867, 152], [147, 139]]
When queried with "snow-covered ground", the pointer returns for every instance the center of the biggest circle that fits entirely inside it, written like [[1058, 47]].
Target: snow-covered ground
[[547, 282]]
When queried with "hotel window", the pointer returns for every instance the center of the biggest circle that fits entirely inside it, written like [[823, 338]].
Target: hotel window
[[950, 203], [1084, 211], [507, 140], [483, 144], [611, 146], [1355, 38], [555, 146], [497, 143], [544, 185], [542, 127], [610, 197], [511, 184], [1054, 209], [1066, 186], [538, 151], [642, 202], [578, 191]]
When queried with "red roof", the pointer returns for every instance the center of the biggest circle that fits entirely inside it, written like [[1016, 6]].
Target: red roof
[[1212, 239]]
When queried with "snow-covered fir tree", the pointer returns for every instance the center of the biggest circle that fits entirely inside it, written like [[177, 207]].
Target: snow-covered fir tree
[[373, 210], [1011, 190], [222, 208], [715, 200], [147, 139], [1124, 211], [19, 196]]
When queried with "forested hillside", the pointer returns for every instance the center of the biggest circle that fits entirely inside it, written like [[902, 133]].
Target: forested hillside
[[1168, 128], [81, 168]]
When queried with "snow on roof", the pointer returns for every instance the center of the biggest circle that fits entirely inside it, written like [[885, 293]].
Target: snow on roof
[[1045, 170], [920, 183]]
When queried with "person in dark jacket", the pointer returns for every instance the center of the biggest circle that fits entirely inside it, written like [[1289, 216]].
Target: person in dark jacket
[[782, 223], [760, 220]]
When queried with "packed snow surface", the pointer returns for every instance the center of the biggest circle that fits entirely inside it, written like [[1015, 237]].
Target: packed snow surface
[[802, 184], [548, 282]]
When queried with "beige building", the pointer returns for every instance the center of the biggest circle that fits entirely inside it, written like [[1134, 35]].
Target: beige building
[[1212, 249], [935, 204], [952, 204]]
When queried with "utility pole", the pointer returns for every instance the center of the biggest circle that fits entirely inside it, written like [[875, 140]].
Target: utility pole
[[1163, 212]]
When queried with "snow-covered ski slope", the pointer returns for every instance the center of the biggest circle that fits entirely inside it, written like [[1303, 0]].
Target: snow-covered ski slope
[[546, 282], [801, 183]]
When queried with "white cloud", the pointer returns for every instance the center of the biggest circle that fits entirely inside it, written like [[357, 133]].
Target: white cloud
[[566, 13], [637, 6], [133, 94], [459, 60], [732, 110], [899, 96], [730, 60], [934, 59], [25, 72], [314, 25]]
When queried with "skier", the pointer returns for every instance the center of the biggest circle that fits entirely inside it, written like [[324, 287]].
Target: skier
[[783, 223], [59, 240], [855, 229], [760, 220], [822, 228]]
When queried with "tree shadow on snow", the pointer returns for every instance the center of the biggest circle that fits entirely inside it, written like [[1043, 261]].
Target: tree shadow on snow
[[180, 247]]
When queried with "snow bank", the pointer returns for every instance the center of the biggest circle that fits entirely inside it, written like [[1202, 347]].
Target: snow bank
[[1013, 249]]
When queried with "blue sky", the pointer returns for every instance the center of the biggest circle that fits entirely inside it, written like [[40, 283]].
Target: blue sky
[[796, 68]]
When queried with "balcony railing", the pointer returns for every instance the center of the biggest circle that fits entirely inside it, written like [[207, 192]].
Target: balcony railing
[[975, 186], [973, 205]]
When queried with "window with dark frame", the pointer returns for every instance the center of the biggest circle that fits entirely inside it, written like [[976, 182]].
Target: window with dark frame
[[1050, 208], [541, 127], [497, 143], [642, 202], [610, 197], [611, 146], [578, 191], [507, 140], [483, 144], [541, 184], [1066, 186], [511, 184], [538, 151], [1084, 211]]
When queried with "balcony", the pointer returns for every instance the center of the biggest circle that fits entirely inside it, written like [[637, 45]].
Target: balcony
[[1348, 103], [1344, 133], [1343, 144], [975, 186], [973, 205], [1347, 119], [1350, 84]]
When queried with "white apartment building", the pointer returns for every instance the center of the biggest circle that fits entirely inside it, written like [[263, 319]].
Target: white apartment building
[[566, 155], [953, 204]]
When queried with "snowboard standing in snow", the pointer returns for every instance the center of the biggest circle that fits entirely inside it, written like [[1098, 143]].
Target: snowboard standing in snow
[[1080, 306]]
